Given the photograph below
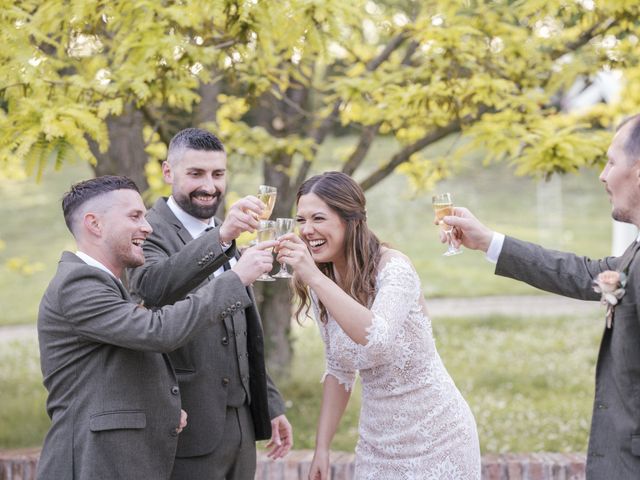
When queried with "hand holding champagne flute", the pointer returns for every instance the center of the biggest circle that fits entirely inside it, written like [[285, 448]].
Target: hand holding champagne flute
[[283, 226], [443, 206]]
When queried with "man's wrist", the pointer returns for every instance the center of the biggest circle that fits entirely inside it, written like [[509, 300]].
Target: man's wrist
[[495, 247]]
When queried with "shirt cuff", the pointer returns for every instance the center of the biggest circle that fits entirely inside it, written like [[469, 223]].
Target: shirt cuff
[[495, 247]]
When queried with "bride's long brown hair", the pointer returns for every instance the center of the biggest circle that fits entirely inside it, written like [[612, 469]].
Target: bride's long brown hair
[[362, 249]]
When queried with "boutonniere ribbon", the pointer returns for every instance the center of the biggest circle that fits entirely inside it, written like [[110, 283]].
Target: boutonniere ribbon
[[610, 285]]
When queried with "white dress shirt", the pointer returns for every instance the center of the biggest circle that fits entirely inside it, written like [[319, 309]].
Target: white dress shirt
[[195, 227], [89, 260]]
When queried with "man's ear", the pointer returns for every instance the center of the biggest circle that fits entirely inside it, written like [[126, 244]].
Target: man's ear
[[167, 173], [92, 224]]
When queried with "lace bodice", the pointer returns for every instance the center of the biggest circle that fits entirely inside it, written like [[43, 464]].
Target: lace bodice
[[414, 424]]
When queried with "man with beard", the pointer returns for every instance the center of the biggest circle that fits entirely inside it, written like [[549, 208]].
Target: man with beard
[[230, 399], [614, 440], [114, 403]]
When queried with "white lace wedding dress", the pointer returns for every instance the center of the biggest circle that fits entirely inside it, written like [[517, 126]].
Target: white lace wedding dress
[[414, 423]]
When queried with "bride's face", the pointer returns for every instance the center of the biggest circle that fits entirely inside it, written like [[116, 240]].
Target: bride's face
[[321, 228]]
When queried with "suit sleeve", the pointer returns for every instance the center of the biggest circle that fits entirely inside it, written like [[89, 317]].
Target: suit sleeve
[[168, 276], [557, 272], [91, 302], [274, 399]]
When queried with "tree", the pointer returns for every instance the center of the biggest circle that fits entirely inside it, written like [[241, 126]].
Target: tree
[[105, 80]]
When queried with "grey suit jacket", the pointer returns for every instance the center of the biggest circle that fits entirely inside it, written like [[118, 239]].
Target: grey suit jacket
[[614, 441], [114, 403], [175, 265]]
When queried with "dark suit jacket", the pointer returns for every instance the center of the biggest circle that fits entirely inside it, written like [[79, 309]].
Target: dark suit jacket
[[175, 265], [614, 441], [114, 403]]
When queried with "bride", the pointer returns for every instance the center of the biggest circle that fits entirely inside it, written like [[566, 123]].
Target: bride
[[414, 423]]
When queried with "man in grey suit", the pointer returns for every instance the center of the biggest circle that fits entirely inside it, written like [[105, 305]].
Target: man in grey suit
[[230, 399], [114, 403], [614, 441]]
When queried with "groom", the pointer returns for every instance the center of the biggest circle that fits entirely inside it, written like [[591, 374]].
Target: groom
[[614, 441]]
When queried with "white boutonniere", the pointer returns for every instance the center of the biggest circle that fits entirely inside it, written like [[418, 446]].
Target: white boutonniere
[[610, 285]]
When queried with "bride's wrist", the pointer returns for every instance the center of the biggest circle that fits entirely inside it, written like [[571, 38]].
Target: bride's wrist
[[322, 450]]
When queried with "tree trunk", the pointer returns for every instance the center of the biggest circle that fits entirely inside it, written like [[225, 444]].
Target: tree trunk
[[126, 155], [274, 302], [205, 110]]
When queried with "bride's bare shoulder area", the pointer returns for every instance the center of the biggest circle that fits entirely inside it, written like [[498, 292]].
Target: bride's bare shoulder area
[[387, 254]]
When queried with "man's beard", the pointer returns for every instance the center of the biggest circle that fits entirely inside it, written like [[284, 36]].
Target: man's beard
[[620, 215], [203, 212]]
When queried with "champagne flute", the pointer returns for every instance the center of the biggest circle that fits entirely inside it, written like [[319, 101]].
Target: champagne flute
[[443, 206], [283, 226], [266, 231], [267, 195]]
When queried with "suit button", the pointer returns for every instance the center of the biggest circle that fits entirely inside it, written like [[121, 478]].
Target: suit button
[[175, 390], [225, 381], [238, 304], [225, 341]]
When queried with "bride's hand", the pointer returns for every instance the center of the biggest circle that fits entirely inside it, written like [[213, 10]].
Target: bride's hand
[[294, 252], [319, 466]]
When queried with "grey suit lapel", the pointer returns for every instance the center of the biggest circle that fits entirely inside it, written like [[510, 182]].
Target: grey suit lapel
[[165, 212], [627, 257]]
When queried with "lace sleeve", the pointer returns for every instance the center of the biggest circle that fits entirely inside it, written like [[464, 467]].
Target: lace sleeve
[[397, 293], [345, 374]]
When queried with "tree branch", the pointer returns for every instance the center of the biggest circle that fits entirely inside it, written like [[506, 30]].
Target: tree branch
[[393, 44], [369, 132], [150, 116], [587, 36], [356, 158], [404, 154]]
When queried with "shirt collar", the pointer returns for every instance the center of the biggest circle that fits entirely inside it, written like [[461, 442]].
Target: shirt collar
[[194, 226], [89, 260]]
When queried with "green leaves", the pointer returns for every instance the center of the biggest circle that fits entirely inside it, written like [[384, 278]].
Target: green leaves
[[291, 71]]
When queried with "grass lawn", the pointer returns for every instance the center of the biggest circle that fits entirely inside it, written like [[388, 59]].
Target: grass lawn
[[528, 380]]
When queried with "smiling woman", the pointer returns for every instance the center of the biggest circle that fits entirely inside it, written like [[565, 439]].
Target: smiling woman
[[372, 318]]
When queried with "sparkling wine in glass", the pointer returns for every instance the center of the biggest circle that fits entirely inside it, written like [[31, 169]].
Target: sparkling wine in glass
[[283, 226], [443, 206], [267, 195], [266, 231]]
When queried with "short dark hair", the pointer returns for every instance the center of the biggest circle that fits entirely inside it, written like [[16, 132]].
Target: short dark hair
[[81, 192], [192, 139], [631, 145]]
